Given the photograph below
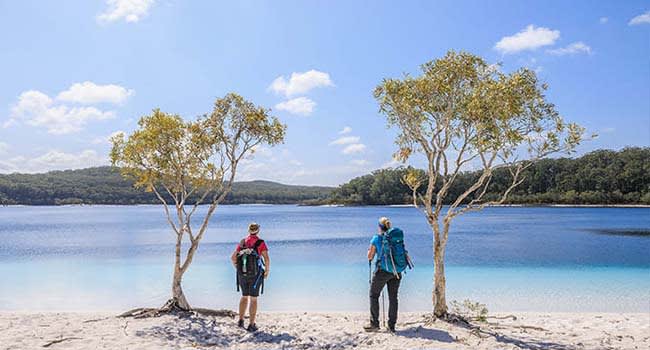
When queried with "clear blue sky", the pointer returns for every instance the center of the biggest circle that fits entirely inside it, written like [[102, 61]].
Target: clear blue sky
[[128, 57]]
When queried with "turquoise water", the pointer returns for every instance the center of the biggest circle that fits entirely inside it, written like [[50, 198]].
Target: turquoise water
[[512, 259]]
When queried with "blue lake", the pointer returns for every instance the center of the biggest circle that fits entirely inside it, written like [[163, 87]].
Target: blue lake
[[512, 259]]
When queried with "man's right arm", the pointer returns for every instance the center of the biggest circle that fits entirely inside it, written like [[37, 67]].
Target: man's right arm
[[233, 258], [372, 250]]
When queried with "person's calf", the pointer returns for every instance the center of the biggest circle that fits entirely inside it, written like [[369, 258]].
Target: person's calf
[[252, 310], [243, 304]]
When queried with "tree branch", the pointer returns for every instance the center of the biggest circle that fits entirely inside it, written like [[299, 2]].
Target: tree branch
[[167, 213]]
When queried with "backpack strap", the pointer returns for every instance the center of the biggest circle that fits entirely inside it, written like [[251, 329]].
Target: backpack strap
[[262, 287], [242, 245], [257, 244]]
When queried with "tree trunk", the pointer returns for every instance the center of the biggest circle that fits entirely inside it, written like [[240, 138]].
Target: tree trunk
[[177, 291], [439, 282]]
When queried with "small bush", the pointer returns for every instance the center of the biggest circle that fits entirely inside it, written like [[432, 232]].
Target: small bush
[[470, 310]]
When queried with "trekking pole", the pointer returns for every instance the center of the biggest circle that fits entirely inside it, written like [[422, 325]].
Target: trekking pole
[[369, 272], [383, 308]]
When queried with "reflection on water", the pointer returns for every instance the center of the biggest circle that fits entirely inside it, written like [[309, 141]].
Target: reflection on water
[[115, 257]]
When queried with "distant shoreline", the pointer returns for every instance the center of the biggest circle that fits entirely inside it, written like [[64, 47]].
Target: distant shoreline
[[514, 205], [347, 205], [505, 205]]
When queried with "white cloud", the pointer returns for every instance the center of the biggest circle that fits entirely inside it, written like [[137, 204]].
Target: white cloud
[[53, 160], [58, 116], [38, 109], [3, 147], [354, 148], [603, 20], [106, 139], [571, 49], [345, 140], [261, 151], [345, 130], [266, 164], [393, 163], [352, 145], [640, 19], [359, 162], [530, 38], [298, 105], [300, 83], [129, 10], [9, 123], [90, 93]]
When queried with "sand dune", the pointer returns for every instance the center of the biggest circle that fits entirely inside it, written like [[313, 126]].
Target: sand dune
[[320, 331]]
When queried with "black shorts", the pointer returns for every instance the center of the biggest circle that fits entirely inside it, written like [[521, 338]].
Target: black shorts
[[250, 286]]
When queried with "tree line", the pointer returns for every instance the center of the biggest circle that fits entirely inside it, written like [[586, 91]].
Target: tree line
[[105, 185], [599, 177]]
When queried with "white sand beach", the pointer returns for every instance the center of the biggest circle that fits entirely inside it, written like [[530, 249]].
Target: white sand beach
[[558, 331]]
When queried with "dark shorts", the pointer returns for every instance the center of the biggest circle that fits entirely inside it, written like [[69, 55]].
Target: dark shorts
[[250, 286]]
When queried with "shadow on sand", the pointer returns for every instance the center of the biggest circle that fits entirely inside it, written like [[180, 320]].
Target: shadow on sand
[[426, 333], [532, 344], [209, 332], [527, 344], [222, 331]]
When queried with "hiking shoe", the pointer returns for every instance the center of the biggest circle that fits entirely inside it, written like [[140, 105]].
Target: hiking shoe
[[391, 329], [252, 327], [240, 324], [371, 327]]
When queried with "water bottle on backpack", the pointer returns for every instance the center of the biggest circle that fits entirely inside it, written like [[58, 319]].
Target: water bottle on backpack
[[393, 257]]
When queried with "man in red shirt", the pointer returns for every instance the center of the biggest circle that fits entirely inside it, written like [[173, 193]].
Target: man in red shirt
[[250, 285]]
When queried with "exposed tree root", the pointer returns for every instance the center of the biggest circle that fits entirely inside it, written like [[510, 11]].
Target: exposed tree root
[[215, 313], [457, 320], [171, 307], [477, 330], [533, 328], [59, 341], [513, 317]]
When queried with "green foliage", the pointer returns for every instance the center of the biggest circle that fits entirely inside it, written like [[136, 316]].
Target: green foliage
[[599, 177], [188, 157], [105, 185], [384, 186], [623, 178], [470, 310], [460, 101]]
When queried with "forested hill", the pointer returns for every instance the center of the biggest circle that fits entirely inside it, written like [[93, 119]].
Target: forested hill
[[599, 177], [104, 185]]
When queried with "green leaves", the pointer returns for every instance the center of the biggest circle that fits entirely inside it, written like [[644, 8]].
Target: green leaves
[[461, 100], [461, 112], [183, 156], [233, 119]]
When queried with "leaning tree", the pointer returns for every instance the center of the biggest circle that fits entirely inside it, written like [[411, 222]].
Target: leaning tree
[[463, 114], [190, 163]]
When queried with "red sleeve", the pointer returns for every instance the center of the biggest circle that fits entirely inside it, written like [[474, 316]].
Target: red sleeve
[[262, 248], [238, 248]]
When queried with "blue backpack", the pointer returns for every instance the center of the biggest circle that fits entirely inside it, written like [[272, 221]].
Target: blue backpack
[[393, 257]]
